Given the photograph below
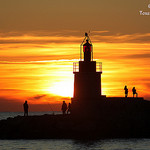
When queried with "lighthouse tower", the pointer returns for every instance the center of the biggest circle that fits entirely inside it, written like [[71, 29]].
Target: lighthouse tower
[[87, 80]]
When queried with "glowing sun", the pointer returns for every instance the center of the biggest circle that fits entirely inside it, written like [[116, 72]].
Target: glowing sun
[[62, 88]]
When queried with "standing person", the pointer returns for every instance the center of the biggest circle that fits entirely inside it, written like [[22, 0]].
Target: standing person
[[64, 108], [134, 91], [69, 108], [126, 91], [25, 105]]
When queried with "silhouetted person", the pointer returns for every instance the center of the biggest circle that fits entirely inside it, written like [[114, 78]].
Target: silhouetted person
[[64, 107], [134, 91], [69, 108], [25, 105], [126, 91]]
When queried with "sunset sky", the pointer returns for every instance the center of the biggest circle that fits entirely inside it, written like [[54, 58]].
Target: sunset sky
[[40, 40]]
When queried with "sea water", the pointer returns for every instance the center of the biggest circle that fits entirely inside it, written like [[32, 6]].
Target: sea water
[[69, 144], [5, 115], [108, 144]]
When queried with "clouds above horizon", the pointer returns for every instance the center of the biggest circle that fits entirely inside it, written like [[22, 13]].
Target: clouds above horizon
[[39, 48], [71, 38]]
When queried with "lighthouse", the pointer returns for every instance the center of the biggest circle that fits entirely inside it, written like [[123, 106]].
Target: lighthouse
[[87, 80]]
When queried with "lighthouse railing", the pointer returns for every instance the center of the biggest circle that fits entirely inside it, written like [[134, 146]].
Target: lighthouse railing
[[98, 67], [76, 67]]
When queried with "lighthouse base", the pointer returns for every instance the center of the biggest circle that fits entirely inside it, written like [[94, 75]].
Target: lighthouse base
[[95, 108], [88, 107]]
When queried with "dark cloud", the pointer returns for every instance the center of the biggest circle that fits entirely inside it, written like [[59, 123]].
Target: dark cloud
[[48, 98], [12, 90], [37, 97]]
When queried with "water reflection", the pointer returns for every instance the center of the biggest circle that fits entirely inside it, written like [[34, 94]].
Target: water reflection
[[84, 144], [113, 144], [108, 144]]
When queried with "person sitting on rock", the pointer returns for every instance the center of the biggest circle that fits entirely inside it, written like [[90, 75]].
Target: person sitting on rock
[[64, 108]]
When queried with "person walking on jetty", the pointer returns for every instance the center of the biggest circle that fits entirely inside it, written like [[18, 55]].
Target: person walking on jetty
[[64, 108], [69, 108], [25, 105], [126, 91], [134, 92]]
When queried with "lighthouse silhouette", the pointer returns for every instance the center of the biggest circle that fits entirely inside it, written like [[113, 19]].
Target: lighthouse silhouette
[[87, 81]]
